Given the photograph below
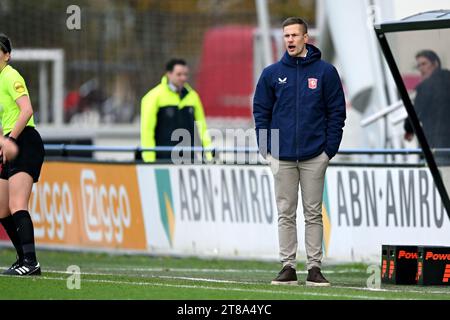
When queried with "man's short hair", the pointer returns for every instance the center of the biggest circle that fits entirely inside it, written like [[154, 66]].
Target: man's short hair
[[295, 20], [173, 62], [430, 55]]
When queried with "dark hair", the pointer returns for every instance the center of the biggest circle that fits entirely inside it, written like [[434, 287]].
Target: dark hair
[[173, 62], [430, 55], [295, 20], [5, 43]]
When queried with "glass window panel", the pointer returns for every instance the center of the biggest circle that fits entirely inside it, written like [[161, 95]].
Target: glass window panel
[[423, 59]]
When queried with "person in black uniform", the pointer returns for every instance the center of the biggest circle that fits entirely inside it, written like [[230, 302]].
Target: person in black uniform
[[18, 174], [432, 103]]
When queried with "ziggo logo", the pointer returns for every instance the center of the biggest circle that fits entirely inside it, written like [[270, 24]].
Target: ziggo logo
[[55, 209], [106, 210]]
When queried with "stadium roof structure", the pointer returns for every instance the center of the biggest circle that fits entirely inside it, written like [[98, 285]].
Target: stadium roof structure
[[397, 41], [436, 19]]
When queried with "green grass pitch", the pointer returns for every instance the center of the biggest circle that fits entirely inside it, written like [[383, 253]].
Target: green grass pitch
[[105, 276]]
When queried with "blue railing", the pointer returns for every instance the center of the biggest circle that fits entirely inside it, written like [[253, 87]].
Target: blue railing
[[242, 155], [91, 148]]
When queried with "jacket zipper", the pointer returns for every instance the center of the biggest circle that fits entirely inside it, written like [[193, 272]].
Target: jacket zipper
[[297, 110]]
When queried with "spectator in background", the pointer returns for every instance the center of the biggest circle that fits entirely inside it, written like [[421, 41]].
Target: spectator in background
[[432, 101], [71, 105], [171, 105]]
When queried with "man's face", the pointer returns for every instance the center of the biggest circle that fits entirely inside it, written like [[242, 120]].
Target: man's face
[[294, 39], [179, 75], [425, 67]]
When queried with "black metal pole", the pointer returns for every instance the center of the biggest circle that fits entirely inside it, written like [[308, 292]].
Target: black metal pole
[[414, 119]]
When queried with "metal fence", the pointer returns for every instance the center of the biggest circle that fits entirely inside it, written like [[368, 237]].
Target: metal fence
[[242, 155], [120, 50]]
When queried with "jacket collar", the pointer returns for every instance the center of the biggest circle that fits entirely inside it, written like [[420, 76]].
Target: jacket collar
[[165, 82], [313, 54], [186, 89]]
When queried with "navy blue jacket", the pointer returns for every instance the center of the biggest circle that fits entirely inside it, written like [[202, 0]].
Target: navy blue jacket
[[303, 98]]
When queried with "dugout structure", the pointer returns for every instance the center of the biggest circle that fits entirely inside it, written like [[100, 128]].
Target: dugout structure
[[428, 106]]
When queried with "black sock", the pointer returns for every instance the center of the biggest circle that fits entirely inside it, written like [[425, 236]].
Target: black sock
[[11, 229], [26, 234]]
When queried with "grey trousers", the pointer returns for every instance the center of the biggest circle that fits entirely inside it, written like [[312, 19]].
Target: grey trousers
[[311, 176]]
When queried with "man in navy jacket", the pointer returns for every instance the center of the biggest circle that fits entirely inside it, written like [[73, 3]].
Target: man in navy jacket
[[300, 101]]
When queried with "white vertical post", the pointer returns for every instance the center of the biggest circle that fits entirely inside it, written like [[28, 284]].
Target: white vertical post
[[58, 88], [263, 24], [43, 92]]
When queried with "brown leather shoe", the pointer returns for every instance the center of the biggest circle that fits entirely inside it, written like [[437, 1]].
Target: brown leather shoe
[[316, 279], [287, 276]]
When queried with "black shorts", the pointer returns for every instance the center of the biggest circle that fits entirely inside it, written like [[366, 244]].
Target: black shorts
[[30, 157]]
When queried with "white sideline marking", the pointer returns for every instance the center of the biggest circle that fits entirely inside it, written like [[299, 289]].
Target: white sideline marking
[[248, 282], [316, 294], [170, 277], [208, 270], [220, 270], [224, 281], [158, 277]]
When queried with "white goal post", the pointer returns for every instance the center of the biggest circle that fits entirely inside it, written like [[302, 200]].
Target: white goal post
[[56, 58]]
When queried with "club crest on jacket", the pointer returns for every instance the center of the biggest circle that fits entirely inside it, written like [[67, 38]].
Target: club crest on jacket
[[312, 83]]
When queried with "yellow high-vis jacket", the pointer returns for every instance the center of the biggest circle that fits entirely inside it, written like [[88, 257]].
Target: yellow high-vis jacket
[[163, 111]]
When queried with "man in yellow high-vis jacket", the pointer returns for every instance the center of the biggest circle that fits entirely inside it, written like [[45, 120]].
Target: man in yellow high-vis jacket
[[172, 105]]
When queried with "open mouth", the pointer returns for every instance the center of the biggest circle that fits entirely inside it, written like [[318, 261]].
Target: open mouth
[[291, 47]]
